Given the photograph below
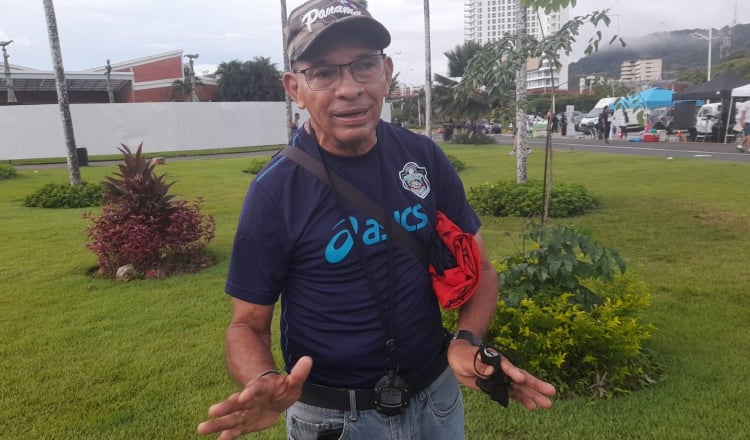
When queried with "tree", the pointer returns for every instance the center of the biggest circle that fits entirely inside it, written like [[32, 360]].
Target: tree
[[62, 93], [738, 62], [287, 68], [459, 57], [428, 71], [395, 85], [450, 102], [521, 147], [182, 88], [500, 65], [255, 80]]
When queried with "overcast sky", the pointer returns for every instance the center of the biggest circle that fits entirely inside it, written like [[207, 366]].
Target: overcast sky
[[92, 31]]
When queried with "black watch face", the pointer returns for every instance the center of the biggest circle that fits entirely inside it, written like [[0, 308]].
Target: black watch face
[[391, 397]]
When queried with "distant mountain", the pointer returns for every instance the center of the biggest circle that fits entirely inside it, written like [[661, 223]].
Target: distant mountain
[[677, 49]]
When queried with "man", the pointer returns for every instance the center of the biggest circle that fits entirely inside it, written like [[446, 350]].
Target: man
[[604, 124], [358, 313], [295, 124], [744, 123]]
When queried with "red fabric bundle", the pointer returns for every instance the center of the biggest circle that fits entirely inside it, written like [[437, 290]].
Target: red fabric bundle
[[455, 285]]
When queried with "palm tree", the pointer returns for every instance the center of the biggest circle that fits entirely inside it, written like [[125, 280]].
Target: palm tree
[[182, 88], [451, 102], [427, 71], [459, 57], [62, 93], [287, 68], [255, 80]]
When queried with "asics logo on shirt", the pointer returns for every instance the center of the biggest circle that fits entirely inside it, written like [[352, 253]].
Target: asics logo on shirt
[[371, 232]]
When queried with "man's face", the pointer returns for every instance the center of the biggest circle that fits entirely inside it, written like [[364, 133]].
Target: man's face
[[345, 115]]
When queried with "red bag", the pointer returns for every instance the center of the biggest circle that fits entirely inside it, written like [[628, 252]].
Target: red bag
[[455, 268]]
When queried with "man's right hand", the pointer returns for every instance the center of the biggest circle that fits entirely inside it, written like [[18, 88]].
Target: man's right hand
[[258, 405]]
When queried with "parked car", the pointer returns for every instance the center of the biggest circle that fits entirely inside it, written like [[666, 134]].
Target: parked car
[[708, 119], [576, 119], [592, 116]]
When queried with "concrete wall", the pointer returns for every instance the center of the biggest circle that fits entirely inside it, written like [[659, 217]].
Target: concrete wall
[[35, 131]]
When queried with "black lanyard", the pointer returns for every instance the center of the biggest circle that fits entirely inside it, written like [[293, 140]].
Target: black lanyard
[[388, 318]]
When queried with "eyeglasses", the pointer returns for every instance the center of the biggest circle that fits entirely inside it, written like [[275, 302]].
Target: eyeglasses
[[363, 70]]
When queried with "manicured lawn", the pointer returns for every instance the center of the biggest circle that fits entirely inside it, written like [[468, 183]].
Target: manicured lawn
[[85, 358]]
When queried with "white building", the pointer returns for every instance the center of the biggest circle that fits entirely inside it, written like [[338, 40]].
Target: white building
[[491, 20], [638, 71]]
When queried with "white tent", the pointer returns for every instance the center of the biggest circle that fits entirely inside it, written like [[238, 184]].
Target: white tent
[[743, 91], [738, 92]]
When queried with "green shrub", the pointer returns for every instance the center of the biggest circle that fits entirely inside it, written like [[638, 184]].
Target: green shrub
[[7, 171], [558, 263], [64, 195], [142, 226], [597, 352], [508, 198], [256, 164], [472, 138], [457, 163], [567, 316]]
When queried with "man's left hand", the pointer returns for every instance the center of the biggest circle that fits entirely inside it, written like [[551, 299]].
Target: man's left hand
[[525, 388]]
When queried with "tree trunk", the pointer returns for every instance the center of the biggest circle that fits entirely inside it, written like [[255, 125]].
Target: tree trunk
[[62, 93], [287, 68], [521, 121], [427, 72]]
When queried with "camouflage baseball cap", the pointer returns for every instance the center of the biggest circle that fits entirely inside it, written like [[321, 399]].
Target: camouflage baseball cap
[[314, 18]]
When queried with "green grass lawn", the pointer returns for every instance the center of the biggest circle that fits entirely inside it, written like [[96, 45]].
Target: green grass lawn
[[85, 358]]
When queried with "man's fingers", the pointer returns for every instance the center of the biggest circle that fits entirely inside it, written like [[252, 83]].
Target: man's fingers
[[226, 407], [222, 424]]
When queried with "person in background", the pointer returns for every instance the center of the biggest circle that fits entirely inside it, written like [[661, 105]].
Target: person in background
[[295, 125], [660, 124], [745, 125], [361, 334], [605, 124]]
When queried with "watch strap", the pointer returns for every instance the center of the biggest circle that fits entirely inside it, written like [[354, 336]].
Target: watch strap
[[469, 336]]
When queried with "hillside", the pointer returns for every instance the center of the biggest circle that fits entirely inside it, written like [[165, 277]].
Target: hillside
[[677, 49]]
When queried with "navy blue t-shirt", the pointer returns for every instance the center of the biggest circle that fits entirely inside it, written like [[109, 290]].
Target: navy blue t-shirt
[[296, 240]]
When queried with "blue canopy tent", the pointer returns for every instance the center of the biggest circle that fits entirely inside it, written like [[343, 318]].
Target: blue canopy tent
[[651, 98], [632, 113]]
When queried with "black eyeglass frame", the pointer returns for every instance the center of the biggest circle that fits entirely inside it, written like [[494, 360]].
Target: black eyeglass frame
[[382, 55]]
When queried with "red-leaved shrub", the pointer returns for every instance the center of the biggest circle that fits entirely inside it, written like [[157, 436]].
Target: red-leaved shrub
[[142, 226]]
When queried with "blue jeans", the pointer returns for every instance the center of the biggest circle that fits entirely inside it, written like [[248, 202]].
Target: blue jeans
[[436, 413]]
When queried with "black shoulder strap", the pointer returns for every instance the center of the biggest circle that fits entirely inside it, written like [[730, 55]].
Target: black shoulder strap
[[355, 196]]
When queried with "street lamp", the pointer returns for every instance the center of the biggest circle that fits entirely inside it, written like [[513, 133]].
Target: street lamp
[[11, 95], [710, 39], [194, 79]]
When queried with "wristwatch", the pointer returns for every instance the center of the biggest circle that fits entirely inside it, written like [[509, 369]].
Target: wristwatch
[[469, 336]]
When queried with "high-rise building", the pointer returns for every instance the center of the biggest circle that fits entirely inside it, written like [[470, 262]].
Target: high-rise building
[[640, 71], [491, 20]]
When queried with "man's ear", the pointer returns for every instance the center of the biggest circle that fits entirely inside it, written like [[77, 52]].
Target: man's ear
[[292, 86]]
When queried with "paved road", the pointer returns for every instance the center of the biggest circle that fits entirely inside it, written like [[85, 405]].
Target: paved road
[[101, 163], [694, 150]]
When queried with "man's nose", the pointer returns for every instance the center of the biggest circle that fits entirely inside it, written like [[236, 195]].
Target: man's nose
[[346, 78]]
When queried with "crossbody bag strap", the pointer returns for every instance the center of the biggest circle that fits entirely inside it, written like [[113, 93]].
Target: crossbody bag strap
[[356, 196]]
